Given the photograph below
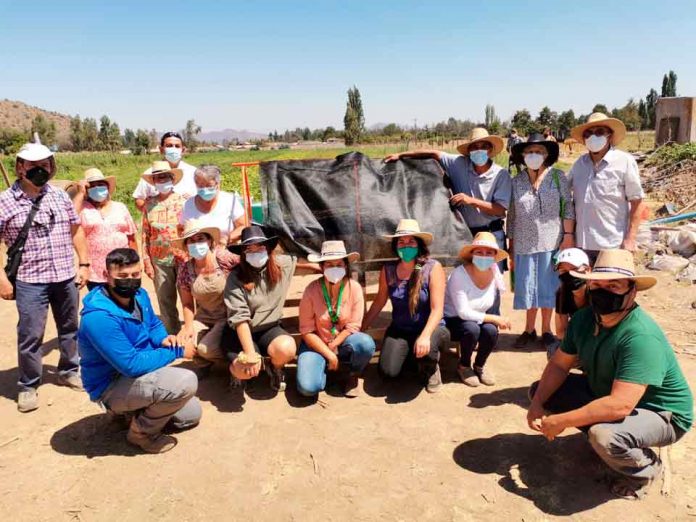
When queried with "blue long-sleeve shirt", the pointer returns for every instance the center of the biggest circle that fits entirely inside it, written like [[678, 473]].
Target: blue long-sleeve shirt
[[112, 342]]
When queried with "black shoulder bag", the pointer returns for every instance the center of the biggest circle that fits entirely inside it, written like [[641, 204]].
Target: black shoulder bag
[[14, 253]]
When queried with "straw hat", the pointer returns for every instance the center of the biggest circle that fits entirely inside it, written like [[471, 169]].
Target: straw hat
[[253, 235], [480, 134], [483, 239], [599, 119], [410, 227], [535, 139], [616, 264], [193, 227], [331, 251], [94, 174], [162, 167]]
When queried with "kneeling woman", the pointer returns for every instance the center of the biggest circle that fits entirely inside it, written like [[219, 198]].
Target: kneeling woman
[[415, 285], [331, 311], [201, 281], [254, 297], [472, 307]]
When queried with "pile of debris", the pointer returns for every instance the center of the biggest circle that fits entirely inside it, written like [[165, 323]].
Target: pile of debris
[[670, 249], [674, 184]]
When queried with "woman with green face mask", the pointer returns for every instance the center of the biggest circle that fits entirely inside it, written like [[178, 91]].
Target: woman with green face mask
[[415, 285]]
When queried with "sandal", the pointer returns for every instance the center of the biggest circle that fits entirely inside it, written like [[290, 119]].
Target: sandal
[[628, 489]]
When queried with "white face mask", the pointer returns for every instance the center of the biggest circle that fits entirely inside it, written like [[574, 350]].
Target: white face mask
[[534, 160], [596, 143], [335, 274], [164, 188], [257, 259]]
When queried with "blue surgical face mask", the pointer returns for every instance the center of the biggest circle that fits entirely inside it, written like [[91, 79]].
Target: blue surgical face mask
[[208, 193], [98, 194], [172, 154], [483, 263], [479, 157], [198, 250]]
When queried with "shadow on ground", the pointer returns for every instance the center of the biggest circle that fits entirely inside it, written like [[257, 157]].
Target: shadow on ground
[[93, 436], [495, 397], [561, 478]]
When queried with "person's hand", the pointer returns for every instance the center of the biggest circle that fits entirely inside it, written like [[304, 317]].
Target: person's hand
[[6, 290], [503, 323], [149, 269], [460, 199], [82, 276], [333, 346], [392, 157], [185, 335], [82, 186], [422, 346], [332, 362], [170, 341], [189, 349], [550, 427], [534, 416], [568, 242], [251, 370], [629, 244]]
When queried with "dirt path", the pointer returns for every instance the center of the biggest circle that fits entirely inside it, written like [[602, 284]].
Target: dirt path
[[395, 453]]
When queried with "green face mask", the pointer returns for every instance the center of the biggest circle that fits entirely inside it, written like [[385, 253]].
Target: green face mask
[[407, 254]]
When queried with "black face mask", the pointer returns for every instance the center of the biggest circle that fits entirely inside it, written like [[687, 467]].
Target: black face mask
[[126, 287], [570, 281], [38, 176], [604, 302]]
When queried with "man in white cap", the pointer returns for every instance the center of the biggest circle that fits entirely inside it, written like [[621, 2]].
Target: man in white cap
[[632, 395], [172, 149], [606, 188], [40, 227], [481, 188]]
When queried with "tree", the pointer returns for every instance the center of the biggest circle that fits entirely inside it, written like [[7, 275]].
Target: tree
[[109, 134], [650, 103], [154, 139], [45, 128], [141, 143], [669, 84], [547, 118], [306, 134], [565, 122], [190, 132], [354, 119], [12, 140], [90, 134], [600, 107], [76, 134], [129, 139], [522, 122], [392, 129], [491, 120], [329, 132], [629, 115]]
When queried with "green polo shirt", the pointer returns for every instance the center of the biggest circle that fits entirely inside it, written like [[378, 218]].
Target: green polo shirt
[[636, 351]]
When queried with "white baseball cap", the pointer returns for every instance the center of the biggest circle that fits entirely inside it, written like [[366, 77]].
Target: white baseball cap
[[34, 152], [573, 256]]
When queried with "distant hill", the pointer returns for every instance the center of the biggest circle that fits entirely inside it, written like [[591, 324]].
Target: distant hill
[[230, 134], [18, 115]]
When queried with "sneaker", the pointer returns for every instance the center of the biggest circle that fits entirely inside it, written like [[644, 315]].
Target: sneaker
[[526, 339], [434, 381], [485, 376], [549, 340], [353, 387], [277, 376], [71, 380], [160, 443], [468, 376], [28, 400]]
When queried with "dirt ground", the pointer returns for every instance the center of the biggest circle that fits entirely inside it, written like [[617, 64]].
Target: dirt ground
[[395, 453]]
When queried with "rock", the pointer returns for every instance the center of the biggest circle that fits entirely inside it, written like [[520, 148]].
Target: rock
[[688, 275], [683, 243], [667, 263]]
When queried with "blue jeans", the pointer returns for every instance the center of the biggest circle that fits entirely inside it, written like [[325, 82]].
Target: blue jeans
[[356, 350], [32, 307]]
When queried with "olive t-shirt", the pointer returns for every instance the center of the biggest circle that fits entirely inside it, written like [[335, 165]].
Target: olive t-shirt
[[636, 351]]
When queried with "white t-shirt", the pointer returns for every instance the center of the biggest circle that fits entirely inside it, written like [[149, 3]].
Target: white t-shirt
[[467, 301], [226, 211], [186, 187]]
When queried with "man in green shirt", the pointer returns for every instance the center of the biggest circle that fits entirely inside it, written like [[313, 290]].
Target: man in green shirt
[[633, 395]]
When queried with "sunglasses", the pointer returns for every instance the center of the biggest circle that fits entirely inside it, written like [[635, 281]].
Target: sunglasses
[[596, 131]]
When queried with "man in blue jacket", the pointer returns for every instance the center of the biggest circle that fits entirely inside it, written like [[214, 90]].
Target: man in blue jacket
[[125, 352]]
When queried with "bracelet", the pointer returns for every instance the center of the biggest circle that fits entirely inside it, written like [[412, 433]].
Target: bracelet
[[86, 265], [568, 233]]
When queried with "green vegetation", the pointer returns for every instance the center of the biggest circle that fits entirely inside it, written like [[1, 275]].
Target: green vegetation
[[672, 154]]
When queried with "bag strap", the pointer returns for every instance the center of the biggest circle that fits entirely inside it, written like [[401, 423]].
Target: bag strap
[[557, 182], [18, 245]]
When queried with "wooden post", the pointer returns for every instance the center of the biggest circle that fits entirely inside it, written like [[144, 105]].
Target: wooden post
[[4, 175]]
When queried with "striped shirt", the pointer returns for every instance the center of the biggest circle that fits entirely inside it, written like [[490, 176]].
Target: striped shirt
[[48, 253]]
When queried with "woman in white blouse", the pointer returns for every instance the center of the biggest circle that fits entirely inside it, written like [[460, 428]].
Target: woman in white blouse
[[472, 307]]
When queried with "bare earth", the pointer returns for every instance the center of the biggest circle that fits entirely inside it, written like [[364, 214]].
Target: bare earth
[[396, 453]]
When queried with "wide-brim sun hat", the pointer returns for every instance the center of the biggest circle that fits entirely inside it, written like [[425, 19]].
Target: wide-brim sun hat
[[253, 235], [193, 227], [478, 135], [162, 167], [599, 119], [486, 240], [410, 227], [93, 174], [333, 251], [552, 149], [616, 264]]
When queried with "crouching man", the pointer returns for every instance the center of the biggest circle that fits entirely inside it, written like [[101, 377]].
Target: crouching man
[[633, 395], [125, 352]]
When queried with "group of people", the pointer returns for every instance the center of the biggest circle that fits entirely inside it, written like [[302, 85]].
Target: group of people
[[567, 240]]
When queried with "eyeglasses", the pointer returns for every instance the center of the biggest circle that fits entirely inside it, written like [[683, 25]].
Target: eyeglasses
[[596, 131]]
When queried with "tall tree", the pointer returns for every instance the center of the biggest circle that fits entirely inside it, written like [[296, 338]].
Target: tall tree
[[354, 119], [76, 134], [566, 121], [142, 142], [650, 103], [129, 139], [547, 118], [490, 117], [90, 134], [45, 128], [522, 121], [600, 107], [669, 84], [629, 115], [190, 132]]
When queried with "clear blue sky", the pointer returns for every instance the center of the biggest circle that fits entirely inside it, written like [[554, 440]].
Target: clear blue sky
[[275, 64]]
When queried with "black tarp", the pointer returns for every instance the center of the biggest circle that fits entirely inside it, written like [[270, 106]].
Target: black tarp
[[357, 199]]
